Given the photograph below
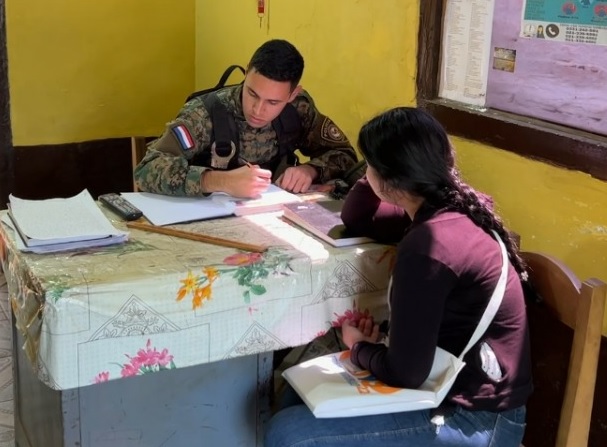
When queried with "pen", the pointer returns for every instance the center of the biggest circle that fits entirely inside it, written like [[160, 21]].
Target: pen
[[266, 179], [245, 162]]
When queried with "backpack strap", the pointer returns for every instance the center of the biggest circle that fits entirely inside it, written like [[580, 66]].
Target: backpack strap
[[224, 136], [222, 82], [225, 147], [287, 126], [288, 129], [226, 74]]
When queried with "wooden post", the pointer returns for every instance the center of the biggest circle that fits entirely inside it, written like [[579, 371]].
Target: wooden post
[[138, 148]]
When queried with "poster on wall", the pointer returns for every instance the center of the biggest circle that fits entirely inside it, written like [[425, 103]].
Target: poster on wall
[[466, 50], [574, 21]]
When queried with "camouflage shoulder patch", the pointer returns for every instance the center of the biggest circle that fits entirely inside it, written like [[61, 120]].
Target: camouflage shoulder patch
[[330, 132]]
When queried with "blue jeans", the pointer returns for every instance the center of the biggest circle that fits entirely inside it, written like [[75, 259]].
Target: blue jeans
[[296, 426]]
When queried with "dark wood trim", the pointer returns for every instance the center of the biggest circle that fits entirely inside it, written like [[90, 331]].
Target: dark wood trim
[[429, 49], [6, 148], [551, 143], [63, 170]]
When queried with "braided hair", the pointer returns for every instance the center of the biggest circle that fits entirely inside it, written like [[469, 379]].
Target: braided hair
[[411, 152]]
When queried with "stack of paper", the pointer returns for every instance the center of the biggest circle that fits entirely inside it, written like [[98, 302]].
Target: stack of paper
[[46, 226]]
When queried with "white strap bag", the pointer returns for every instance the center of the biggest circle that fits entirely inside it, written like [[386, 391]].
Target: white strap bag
[[332, 386]]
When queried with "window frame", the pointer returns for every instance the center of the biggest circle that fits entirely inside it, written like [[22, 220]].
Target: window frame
[[559, 145]]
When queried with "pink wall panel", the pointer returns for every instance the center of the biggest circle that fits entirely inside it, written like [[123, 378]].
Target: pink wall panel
[[558, 82]]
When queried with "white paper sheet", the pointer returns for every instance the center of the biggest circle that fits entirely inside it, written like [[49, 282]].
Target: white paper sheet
[[466, 47], [52, 225], [58, 220], [270, 200], [165, 210]]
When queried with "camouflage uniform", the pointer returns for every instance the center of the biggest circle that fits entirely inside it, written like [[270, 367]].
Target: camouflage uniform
[[166, 168]]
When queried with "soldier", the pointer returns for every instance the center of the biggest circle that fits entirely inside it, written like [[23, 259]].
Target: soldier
[[185, 160]]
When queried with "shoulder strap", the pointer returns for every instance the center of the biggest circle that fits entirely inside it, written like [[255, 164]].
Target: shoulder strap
[[225, 134], [226, 74], [494, 302], [222, 82], [287, 126]]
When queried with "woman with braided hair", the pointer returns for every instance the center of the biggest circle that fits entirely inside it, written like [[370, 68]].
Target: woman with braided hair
[[446, 268]]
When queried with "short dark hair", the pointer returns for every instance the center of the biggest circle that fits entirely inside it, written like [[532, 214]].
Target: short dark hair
[[278, 60]]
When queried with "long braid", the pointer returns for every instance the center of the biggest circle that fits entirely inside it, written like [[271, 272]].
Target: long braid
[[464, 199]]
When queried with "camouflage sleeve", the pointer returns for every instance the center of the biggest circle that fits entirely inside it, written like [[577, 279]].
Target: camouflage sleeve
[[326, 145], [165, 167]]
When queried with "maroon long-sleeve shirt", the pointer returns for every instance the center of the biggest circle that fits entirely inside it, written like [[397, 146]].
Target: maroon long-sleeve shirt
[[445, 273]]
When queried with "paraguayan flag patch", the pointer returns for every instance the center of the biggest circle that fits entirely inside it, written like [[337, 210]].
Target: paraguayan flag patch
[[183, 136]]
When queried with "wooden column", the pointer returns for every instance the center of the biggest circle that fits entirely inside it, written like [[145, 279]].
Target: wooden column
[[6, 147]]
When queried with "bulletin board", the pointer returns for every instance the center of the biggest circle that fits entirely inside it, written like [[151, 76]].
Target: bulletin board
[[549, 60], [491, 74]]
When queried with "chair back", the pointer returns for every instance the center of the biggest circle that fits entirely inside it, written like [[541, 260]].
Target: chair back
[[580, 306], [138, 149]]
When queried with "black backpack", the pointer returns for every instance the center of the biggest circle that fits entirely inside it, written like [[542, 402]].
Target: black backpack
[[225, 134], [221, 84]]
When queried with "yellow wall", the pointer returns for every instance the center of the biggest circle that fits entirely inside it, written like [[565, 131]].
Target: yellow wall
[[555, 210], [89, 70], [359, 55], [360, 59]]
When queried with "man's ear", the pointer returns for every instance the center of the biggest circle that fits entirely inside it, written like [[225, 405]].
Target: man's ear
[[296, 91]]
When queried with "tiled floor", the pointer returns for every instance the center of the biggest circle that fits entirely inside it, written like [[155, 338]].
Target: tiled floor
[[7, 434]]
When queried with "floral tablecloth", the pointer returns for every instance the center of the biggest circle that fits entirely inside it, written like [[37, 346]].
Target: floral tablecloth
[[159, 302]]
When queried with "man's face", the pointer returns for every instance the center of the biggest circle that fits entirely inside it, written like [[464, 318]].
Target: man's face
[[263, 99]]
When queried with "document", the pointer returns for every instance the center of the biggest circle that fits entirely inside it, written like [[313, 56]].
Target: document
[[466, 48], [48, 225], [162, 209], [165, 210], [270, 200]]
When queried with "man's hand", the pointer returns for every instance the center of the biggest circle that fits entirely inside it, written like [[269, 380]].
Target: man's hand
[[297, 178], [365, 330], [245, 182]]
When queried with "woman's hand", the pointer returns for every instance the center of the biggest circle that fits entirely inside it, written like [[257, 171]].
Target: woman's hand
[[365, 330]]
